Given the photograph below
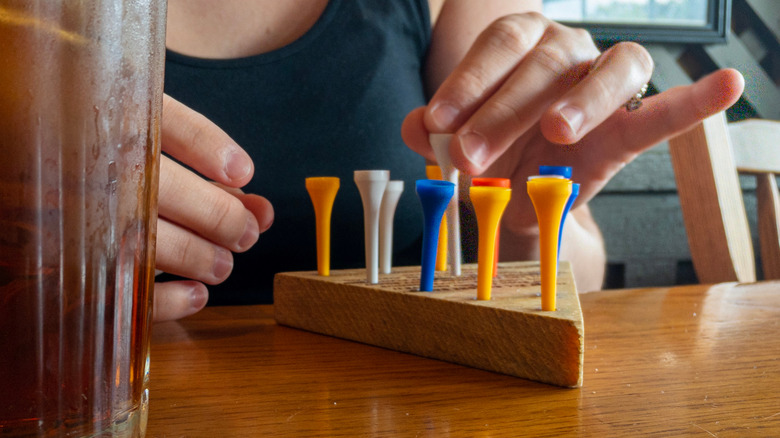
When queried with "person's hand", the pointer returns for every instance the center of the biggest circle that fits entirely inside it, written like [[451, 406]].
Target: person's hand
[[200, 222], [530, 92]]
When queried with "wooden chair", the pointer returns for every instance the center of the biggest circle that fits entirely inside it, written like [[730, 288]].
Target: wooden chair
[[707, 160]]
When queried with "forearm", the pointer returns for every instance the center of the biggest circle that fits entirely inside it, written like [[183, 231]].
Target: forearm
[[582, 245]]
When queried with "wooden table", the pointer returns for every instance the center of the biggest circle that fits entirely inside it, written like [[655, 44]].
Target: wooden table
[[695, 360]]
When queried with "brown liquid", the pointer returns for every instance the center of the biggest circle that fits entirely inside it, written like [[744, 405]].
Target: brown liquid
[[77, 201], [75, 348]]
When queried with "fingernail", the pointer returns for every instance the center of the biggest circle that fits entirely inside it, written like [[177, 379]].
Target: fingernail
[[237, 165], [199, 296], [474, 148], [573, 117], [251, 233], [444, 115], [223, 263]]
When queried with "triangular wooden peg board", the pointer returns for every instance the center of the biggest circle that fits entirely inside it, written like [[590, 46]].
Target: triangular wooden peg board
[[509, 334]]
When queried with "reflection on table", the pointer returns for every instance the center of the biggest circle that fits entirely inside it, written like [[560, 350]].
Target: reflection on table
[[694, 360]]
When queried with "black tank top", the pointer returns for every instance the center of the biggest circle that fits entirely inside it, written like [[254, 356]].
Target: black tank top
[[329, 103]]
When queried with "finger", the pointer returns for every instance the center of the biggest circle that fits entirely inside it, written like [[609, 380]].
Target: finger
[[669, 113], [559, 60], [260, 207], [492, 58], [194, 140], [177, 299], [415, 134], [679, 108], [623, 136], [182, 252], [621, 72], [196, 204]]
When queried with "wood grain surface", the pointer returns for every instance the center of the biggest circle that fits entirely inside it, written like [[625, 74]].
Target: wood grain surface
[[509, 333], [685, 361]]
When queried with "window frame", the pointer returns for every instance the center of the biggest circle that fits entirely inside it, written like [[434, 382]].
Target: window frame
[[716, 30]]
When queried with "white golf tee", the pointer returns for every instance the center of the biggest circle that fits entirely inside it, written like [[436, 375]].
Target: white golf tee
[[441, 144], [371, 184], [386, 215]]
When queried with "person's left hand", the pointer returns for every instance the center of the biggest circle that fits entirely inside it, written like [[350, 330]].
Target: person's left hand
[[530, 92]]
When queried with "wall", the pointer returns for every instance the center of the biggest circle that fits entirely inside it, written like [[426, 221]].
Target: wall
[[639, 215]]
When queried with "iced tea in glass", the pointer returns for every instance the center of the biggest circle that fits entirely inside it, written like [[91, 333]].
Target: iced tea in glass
[[80, 106]]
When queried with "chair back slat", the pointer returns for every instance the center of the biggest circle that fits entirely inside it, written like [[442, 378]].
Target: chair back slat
[[712, 204], [769, 224]]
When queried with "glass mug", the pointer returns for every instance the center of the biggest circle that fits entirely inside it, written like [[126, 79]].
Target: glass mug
[[80, 116]]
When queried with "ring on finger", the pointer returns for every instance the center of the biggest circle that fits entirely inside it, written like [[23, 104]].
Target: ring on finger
[[636, 100]]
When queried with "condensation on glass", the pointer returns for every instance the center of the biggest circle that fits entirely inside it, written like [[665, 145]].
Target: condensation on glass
[[80, 104]]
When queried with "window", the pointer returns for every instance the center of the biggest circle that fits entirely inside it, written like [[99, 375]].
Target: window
[[684, 21]]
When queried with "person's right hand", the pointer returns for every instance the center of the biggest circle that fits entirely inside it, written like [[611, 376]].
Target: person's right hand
[[201, 222]]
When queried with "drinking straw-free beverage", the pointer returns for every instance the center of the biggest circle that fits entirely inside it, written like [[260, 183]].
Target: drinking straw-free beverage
[[80, 104]]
